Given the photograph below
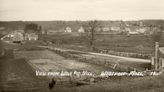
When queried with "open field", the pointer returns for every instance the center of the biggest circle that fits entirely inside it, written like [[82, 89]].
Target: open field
[[121, 43], [53, 62], [122, 63], [49, 61]]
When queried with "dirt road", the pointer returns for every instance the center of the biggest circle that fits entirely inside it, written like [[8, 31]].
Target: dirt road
[[102, 55]]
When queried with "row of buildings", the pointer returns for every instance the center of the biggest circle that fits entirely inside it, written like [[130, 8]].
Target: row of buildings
[[20, 35], [106, 30]]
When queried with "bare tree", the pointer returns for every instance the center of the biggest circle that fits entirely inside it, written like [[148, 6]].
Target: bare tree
[[156, 34], [91, 31]]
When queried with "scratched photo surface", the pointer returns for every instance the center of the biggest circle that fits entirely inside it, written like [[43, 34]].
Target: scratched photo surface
[[81, 46]]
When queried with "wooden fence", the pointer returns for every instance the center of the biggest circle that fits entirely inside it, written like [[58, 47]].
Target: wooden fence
[[124, 54]]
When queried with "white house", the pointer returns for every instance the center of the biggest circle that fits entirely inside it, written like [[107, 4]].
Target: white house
[[133, 32], [68, 29], [141, 30], [127, 29], [50, 32], [81, 30], [13, 36], [105, 29], [31, 36], [43, 32], [17, 36], [115, 28]]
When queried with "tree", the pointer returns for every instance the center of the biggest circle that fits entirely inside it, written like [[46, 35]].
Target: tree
[[91, 30], [32, 27], [156, 33], [155, 36]]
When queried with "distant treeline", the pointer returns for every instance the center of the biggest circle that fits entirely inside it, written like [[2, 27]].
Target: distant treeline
[[57, 25]]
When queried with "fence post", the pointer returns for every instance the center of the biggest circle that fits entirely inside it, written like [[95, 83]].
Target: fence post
[[152, 63], [156, 56], [160, 63]]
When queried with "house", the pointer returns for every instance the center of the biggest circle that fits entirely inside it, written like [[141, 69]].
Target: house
[[141, 30], [151, 30], [127, 29], [141, 24], [43, 32], [133, 32], [32, 31], [105, 29], [50, 32], [68, 29], [13, 36], [98, 29], [81, 30], [31, 35], [17, 36], [126, 24], [115, 28]]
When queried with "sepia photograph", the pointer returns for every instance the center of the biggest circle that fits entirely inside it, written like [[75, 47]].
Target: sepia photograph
[[81, 45]]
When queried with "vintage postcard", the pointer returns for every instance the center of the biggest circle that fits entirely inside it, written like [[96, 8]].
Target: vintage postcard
[[81, 46]]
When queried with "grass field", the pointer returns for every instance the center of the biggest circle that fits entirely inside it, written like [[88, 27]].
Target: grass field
[[16, 75], [54, 62], [122, 43], [141, 84], [113, 84], [144, 84]]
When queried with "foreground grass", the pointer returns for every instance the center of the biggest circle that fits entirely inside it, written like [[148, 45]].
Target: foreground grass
[[18, 76], [145, 84]]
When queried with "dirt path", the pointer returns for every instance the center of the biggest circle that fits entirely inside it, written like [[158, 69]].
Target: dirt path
[[102, 55], [125, 58]]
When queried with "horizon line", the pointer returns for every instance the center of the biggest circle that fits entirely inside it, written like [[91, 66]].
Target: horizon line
[[80, 20]]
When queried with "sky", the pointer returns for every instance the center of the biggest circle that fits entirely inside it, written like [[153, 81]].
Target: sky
[[42, 10]]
